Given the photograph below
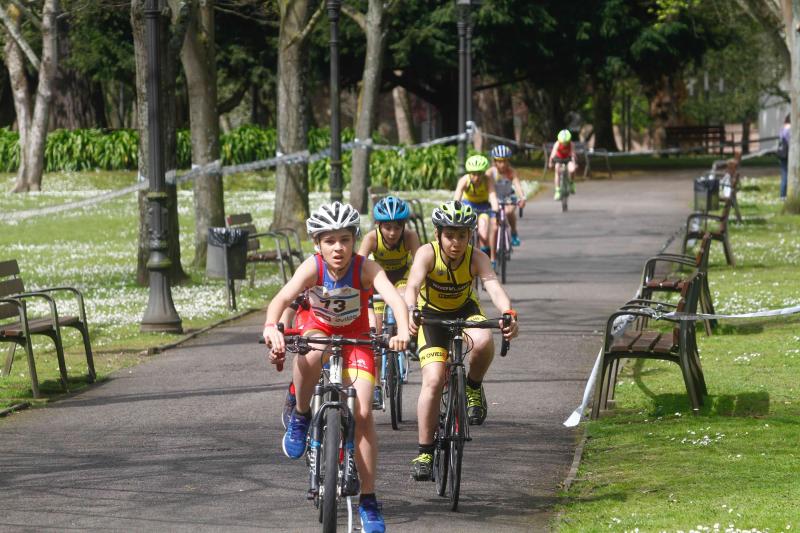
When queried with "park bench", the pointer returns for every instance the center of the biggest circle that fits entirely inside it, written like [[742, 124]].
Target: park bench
[[697, 226], [706, 139], [678, 344], [17, 326], [583, 157], [282, 253], [655, 279], [417, 218]]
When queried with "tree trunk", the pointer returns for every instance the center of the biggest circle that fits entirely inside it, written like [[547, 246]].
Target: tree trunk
[[176, 273], [15, 62], [291, 191], [402, 116], [367, 113], [77, 100], [199, 64], [33, 150], [603, 119], [793, 182]]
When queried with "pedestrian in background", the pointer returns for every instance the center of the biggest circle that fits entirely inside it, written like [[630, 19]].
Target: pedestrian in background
[[783, 153]]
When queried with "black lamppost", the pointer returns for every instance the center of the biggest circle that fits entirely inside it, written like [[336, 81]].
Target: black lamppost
[[160, 314], [464, 25], [334, 8]]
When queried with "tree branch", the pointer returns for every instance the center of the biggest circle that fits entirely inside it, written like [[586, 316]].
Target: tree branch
[[230, 103], [28, 13], [310, 26], [11, 29], [356, 15], [771, 18]]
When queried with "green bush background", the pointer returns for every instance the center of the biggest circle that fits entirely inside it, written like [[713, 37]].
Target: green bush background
[[95, 149]]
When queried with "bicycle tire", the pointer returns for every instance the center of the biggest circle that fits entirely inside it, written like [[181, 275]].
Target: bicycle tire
[[458, 410], [441, 454], [398, 391], [391, 386], [502, 252], [330, 451]]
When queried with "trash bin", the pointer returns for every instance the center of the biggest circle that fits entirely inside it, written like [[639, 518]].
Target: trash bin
[[706, 194], [226, 257]]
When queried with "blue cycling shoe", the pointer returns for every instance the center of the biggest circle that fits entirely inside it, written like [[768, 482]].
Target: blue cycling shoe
[[371, 517], [294, 440], [514, 239], [288, 406]]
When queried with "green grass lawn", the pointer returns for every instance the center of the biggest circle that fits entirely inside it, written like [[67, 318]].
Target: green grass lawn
[[94, 249], [649, 465]]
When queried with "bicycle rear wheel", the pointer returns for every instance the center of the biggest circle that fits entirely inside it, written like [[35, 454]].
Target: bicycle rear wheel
[[458, 411], [330, 452], [391, 378]]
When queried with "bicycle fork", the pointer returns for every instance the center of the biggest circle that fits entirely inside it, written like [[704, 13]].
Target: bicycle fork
[[349, 481]]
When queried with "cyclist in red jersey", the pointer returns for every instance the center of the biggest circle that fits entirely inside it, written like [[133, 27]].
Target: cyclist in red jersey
[[338, 283], [563, 149]]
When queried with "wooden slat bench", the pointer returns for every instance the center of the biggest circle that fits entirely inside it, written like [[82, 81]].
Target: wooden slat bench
[[678, 345], [17, 327], [655, 280], [696, 226], [282, 253]]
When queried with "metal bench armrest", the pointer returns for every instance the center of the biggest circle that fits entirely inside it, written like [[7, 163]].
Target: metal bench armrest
[[78, 296]]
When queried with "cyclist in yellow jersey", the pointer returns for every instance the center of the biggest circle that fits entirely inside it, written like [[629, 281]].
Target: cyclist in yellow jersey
[[392, 246], [440, 284], [477, 190]]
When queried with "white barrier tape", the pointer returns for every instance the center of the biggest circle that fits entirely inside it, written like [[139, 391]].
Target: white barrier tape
[[674, 315]]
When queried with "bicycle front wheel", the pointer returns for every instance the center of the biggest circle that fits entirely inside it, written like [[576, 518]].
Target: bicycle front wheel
[[441, 454], [330, 445], [391, 387], [502, 251], [457, 431]]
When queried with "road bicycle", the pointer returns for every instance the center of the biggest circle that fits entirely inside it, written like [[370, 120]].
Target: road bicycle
[[503, 241], [453, 429], [331, 452], [394, 370], [564, 182]]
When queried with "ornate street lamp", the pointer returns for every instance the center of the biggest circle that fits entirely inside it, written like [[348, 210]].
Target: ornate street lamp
[[464, 25], [160, 314], [334, 8]]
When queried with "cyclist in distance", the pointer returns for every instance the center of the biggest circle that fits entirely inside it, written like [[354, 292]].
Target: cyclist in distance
[[440, 283], [507, 186], [392, 246], [339, 284], [476, 190], [563, 149]]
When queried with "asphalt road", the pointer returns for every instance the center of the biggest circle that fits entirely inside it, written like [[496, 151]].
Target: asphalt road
[[190, 440]]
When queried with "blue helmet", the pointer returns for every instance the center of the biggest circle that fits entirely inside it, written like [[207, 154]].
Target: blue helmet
[[391, 209], [501, 151]]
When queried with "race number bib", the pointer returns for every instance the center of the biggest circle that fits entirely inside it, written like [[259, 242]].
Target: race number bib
[[336, 307]]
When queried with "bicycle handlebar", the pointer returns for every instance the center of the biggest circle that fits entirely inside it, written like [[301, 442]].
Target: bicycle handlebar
[[461, 323]]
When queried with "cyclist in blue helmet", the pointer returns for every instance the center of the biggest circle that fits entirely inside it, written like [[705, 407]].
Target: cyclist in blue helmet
[[391, 244], [507, 186]]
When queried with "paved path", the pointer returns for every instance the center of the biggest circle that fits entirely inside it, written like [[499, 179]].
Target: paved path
[[189, 441]]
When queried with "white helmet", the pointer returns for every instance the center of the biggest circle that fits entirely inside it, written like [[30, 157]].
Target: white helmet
[[332, 217]]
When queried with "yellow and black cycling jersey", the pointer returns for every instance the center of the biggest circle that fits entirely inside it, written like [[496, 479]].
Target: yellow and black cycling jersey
[[477, 193], [446, 289], [395, 261]]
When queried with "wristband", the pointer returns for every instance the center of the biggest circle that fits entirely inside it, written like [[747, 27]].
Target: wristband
[[511, 312], [412, 307], [270, 325]]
